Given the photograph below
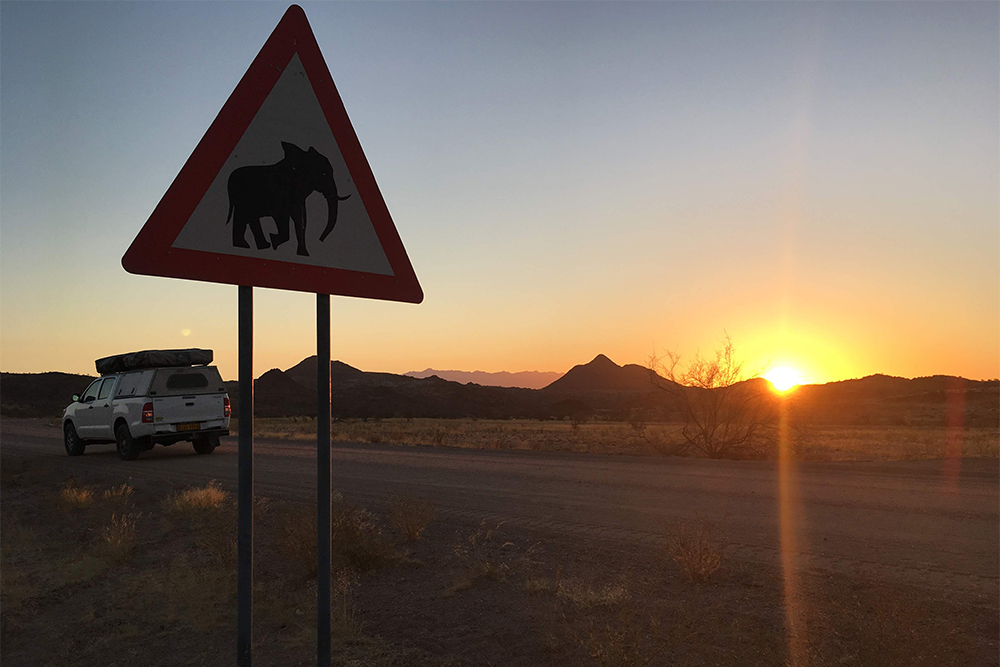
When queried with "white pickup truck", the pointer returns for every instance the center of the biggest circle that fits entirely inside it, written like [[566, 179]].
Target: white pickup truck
[[137, 408]]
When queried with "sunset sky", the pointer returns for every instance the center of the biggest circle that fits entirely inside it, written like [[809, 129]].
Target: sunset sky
[[821, 181]]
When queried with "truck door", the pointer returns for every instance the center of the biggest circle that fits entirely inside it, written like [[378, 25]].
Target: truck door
[[83, 417], [102, 410]]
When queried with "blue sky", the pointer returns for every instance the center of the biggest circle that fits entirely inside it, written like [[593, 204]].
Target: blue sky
[[820, 180]]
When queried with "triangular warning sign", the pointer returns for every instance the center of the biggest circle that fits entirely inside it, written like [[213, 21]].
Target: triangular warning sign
[[278, 193]]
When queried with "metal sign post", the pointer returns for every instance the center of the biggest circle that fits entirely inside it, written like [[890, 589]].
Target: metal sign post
[[244, 545], [323, 488]]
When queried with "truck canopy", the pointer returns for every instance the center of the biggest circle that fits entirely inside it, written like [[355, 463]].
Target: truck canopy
[[120, 363]]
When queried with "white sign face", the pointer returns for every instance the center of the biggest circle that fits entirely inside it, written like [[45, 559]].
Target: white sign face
[[277, 175]]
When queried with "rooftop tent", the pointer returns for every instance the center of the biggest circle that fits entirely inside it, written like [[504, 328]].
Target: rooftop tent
[[119, 363]]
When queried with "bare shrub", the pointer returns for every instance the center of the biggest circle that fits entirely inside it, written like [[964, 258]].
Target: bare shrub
[[727, 413], [196, 499], [411, 516], [692, 545], [117, 539], [485, 554]]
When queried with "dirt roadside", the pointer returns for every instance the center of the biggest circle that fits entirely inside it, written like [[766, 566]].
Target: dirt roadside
[[473, 589]]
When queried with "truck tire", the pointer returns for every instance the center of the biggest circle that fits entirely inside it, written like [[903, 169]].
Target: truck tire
[[205, 445], [74, 445], [128, 448]]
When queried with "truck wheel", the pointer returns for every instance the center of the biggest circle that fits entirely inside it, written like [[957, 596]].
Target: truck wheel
[[74, 445], [205, 445], [128, 448]]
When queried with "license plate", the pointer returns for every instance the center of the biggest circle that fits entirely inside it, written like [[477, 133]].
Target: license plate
[[193, 426]]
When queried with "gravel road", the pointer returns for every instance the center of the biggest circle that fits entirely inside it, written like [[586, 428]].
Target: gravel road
[[932, 524]]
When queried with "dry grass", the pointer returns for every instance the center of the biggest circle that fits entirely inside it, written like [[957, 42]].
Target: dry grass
[[810, 443], [582, 594], [512, 434], [297, 544], [627, 640], [893, 443], [174, 602], [411, 516], [356, 540], [184, 592], [118, 494], [72, 496], [197, 499], [117, 538], [691, 544]]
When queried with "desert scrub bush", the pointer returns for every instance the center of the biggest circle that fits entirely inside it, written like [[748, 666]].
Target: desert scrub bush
[[411, 516], [116, 540], [357, 538], [692, 545], [485, 554], [72, 496], [118, 494], [210, 496]]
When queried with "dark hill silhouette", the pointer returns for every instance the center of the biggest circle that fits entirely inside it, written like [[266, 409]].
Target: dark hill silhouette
[[937, 400], [276, 394], [304, 373], [601, 389], [39, 394], [886, 386], [358, 394], [522, 379], [604, 375]]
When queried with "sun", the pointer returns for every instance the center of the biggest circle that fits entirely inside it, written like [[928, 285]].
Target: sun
[[783, 378]]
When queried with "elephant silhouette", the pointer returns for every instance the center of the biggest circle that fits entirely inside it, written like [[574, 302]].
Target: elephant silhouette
[[279, 191]]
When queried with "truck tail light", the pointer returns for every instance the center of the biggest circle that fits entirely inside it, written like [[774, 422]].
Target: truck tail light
[[147, 413], [227, 409]]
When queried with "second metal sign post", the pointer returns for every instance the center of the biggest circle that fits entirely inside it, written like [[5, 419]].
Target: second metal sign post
[[323, 488]]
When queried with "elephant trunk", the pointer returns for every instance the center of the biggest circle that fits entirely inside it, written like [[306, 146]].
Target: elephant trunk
[[332, 203]]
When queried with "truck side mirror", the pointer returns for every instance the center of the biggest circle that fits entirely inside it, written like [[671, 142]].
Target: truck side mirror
[[76, 398]]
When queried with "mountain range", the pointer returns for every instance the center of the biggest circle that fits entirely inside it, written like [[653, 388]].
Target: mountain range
[[522, 379], [599, 389]]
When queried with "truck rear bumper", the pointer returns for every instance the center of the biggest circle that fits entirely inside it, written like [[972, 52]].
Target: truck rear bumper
[[171, 438]]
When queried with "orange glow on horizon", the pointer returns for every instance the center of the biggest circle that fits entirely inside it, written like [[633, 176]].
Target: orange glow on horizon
[[784, 378]]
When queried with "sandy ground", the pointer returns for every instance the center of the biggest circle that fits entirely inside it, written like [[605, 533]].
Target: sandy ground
[[927, 530]]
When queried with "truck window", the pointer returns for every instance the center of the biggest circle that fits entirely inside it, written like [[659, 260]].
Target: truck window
[[187, 381], [106, 388], [135, 383], [180, 381], [127, 386], [91, 392]]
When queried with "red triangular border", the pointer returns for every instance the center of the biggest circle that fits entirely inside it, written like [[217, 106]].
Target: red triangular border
[[151, 252]]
